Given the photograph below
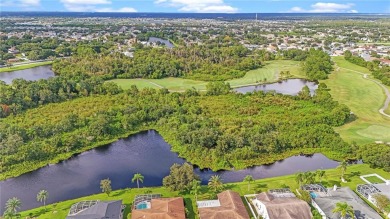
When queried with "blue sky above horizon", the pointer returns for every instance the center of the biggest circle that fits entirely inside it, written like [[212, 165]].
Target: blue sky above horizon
[[200, 6]]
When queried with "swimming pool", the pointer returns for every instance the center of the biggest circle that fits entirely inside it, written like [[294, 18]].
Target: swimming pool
[[313, 195], [142, 205]]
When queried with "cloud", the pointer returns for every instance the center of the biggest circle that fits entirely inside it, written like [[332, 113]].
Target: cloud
[[20, 3], [199, 6], [91, 5], [323, 7]]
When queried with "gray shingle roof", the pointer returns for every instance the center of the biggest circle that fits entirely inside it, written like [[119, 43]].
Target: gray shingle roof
[[101, 210], [344, 194]]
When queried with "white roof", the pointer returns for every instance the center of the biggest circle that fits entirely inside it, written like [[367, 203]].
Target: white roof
[[208, 204]]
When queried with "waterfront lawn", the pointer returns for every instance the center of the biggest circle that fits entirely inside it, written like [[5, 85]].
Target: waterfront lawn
[[26, 66], [269, 72], [60, 210], [364, 98]]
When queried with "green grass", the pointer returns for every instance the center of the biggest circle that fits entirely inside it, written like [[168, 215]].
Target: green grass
[[270, 72], [22, 67], [374, 179], [60, 210], [364, 98]]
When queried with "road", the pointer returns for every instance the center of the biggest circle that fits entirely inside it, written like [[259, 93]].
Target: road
[[387, 92]]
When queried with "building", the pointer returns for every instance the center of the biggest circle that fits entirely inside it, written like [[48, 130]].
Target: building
[[97, 210], [281, 204], [325, 202], [155, 207], [369, 191], [228, 206]]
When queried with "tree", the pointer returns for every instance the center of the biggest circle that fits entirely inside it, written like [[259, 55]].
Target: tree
[[305, 196], [343, 209], [105, 185], [217, 88], [139, 178], [248, 179], [320, 174], [382, 202], [300, 178], [180, 177], [42, 197], [11, 207], [195, 188], [215, 183], [343, 167]]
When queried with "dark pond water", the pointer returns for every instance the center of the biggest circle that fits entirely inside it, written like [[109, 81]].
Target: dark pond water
[[289, 87], [166, 42], [31, 74], [146, 153]]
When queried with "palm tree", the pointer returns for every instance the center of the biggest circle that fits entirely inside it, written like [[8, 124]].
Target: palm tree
[[138, 177], [248, 179], [320, 174], [12, 206], [300, 178], [343, 166], [195, 188], [343, 209], [215, 183], [105, 185], [42, 196]]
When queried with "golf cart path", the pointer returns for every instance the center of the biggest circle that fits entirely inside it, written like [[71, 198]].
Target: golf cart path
[[387, 92]]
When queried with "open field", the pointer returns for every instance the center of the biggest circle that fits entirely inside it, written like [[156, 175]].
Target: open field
[[364, 98], [270, 72], [61, 209], [22, 67]]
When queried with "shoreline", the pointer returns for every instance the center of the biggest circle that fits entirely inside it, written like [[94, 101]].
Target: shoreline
[[24, 66]]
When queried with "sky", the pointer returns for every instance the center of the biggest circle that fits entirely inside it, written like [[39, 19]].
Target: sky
[[200, 6]]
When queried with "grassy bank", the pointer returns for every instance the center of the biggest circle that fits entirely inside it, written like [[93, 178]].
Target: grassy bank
[[364, 98], [22, 67], [268, 73], [60, 210]]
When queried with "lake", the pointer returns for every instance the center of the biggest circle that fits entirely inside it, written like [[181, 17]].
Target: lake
[[146, 153], [31, 74], [289, 87], [166, 42]]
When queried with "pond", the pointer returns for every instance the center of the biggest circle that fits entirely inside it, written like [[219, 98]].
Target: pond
[[167, 43], [146, 153], [31, 74], [289, 87]]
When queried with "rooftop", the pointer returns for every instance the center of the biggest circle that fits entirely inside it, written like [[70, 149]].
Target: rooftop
[[162, 208], [231, 207], [284, 207], [328, 203], [96, 210]]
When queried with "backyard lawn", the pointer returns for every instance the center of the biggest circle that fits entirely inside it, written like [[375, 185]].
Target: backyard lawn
[[60, 210]]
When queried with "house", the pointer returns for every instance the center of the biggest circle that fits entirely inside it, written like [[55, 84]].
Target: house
[[281, 204], [228, 206], [369, 191], [155, 207], [97, 210], [325, 201], [13, 50]]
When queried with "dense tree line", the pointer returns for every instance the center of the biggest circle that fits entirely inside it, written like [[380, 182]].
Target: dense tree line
[[377, 155], [218, 130], [196, 62], [317, 65], [22, 94]]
